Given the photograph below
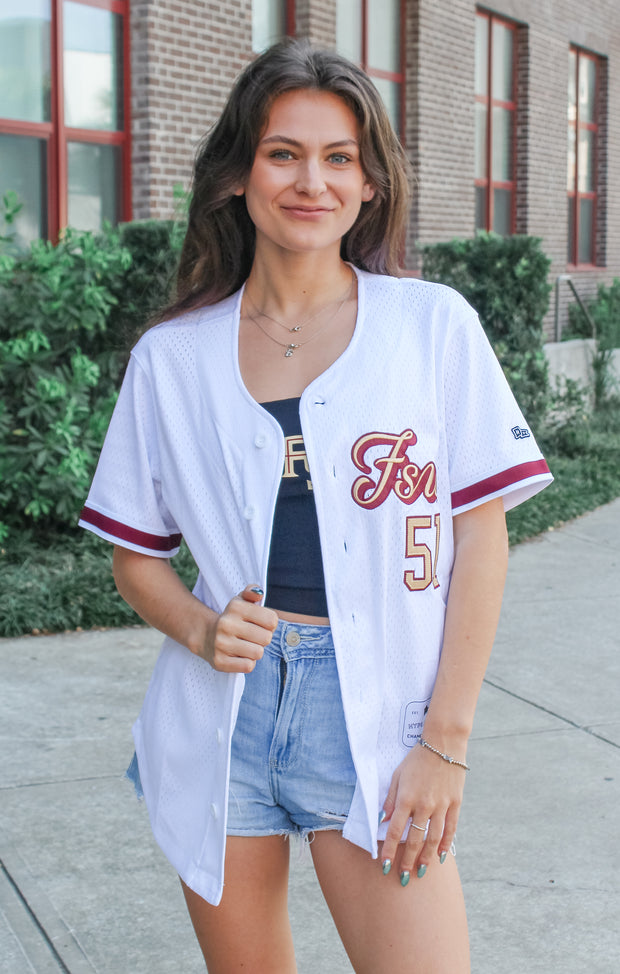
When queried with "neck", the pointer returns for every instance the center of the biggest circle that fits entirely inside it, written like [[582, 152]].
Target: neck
[[297, 284]]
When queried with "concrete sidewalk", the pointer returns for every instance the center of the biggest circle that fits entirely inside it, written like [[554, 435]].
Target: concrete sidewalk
[[84, 888]]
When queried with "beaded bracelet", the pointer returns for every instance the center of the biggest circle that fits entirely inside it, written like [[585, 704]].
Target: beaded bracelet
[[446, 757]]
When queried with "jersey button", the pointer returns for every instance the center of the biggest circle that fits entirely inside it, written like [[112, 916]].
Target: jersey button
[[213, 810], [248, 512], [260, 440]]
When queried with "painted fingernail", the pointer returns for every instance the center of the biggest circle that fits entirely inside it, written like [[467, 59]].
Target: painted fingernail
[[404, 877], [442, 858], [257, 590], [382, 816], [421, 871], [387, 865]]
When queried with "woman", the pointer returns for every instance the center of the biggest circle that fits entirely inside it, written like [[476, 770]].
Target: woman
[[342, 440]]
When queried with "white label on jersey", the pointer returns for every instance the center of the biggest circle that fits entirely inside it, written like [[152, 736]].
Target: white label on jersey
[[413, 721]]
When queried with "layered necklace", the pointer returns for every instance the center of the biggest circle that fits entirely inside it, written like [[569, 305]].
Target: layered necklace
[[291, 346]]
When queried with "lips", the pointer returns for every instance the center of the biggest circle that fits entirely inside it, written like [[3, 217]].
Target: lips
[[306, 211]]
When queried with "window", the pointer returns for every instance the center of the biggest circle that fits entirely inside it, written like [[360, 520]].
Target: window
[[271, 21], [370, 32], [583, 130], [64, 143], [495, 123]]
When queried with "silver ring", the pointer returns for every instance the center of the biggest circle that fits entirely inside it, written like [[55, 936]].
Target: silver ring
[[420, 828]]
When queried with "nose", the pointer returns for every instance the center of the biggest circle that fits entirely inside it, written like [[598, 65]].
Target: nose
[[310, 179]]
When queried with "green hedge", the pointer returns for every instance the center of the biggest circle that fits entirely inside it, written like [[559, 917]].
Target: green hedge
[[68, 316], [505, 279]]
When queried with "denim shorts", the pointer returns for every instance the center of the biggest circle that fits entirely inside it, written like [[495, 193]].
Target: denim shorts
[[291, 766]]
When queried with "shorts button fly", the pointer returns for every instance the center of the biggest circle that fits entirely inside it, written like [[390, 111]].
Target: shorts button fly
[[293, 638]]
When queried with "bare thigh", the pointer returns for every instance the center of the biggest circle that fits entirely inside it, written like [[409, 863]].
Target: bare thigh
[[249, 931], [387, 928]]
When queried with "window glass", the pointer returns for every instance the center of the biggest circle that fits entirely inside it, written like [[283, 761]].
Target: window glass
[[502, 211], [482, 55], [390, 93], [92, 67], [572, 86], [502, 144], [502, 53], [384, 34], [22, 169], [349, 29], [586, 226], [586, 161], [25, 60], [481, 141], [587, 89], [268, 23], [572, 159], [571, 228], [481, 208], [93, 172]]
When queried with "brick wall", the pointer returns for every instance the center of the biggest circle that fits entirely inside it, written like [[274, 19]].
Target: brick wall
[[185, 56], [440, 124]]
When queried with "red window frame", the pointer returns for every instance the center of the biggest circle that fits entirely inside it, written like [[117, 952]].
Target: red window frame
[[490, 102], [56, 135], [397, 76], [574, 194]]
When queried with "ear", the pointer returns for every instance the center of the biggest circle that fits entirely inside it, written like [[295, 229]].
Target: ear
[[368, 192]]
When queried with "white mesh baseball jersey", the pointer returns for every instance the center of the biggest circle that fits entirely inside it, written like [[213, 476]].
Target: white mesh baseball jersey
[[413, 424]]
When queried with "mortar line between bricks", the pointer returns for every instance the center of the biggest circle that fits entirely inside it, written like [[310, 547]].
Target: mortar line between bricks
[[552, 713], [63, 967]]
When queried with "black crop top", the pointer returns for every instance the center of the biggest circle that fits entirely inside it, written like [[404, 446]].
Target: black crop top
[[295, 581]]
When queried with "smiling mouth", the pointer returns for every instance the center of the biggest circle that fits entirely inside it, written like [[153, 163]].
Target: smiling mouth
[[307, 210]]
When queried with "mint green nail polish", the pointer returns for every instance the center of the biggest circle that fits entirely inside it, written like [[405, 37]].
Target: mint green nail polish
[[387, 865], [404, 877], [421, 872], [381, 816], [442, 858]]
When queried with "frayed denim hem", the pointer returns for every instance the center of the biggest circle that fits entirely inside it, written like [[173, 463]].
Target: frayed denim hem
[[133, 774]]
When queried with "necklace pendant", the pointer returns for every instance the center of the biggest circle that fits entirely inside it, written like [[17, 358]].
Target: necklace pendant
[[290, 348], [288, 353], [296, 328]]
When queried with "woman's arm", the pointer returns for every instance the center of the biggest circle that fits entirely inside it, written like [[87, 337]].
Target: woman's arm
[[424, 786], [231, 641]]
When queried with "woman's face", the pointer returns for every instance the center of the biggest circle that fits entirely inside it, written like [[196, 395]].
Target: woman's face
[[306, 185]]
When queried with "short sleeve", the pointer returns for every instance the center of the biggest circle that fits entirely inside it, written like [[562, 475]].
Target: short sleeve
[[124, 504], [491, 449]]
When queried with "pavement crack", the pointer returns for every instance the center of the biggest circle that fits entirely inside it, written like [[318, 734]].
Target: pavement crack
[[546, 710], [33, 916], [60, 781]]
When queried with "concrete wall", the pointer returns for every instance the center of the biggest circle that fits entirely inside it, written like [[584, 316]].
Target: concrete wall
[[573, 360]]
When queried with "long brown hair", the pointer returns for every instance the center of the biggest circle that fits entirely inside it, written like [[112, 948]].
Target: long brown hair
[[218, 250]]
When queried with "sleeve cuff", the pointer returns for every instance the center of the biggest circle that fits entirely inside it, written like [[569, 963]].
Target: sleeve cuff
[[516, 484], [162, 546]]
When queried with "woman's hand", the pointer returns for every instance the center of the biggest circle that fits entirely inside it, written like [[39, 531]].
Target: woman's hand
[[236, 639], [425, 789], [231, 641]]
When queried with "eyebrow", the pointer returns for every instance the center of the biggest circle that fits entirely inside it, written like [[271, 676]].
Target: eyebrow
[[287, 141]]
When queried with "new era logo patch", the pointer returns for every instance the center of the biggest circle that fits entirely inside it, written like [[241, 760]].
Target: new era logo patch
[[519, 433]]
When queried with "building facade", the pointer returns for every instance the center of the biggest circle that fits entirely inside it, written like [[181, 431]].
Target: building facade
[[510, 113]]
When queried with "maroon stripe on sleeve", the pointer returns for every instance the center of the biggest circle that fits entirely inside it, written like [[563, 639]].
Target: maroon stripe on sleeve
[[125, 533], [498, 481]]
